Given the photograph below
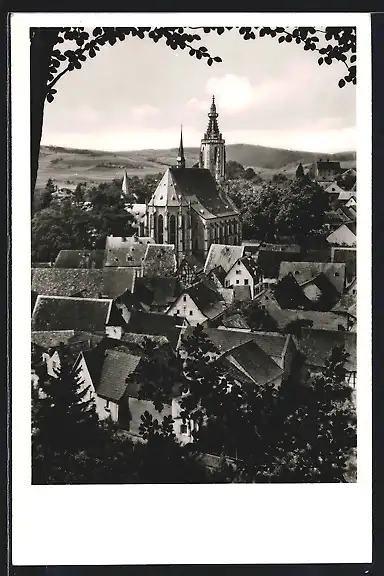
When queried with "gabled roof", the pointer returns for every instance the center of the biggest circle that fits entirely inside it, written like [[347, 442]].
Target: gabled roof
[[155, 325], [65, 313], [219, 272], [349, 212], [159, 260], [334, 188], [222, 255], [128, 255], [67, 282], [346, 194], [251, 266], [208, 300], [305, 271], [116, 281], [317, 346], [193, 262], [116, 368], [256, 363], [156, 291], [80, 259], [198, 186]]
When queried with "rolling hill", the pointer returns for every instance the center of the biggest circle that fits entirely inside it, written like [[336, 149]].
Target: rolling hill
[[68, 166]]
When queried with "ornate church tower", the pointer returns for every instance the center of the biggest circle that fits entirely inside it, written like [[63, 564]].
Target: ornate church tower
[[212, 149]]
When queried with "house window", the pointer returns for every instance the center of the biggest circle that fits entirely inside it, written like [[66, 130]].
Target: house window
[[238, 271], [184, 298], [354, 291], [237, 281], [107, 406], [183, 429], [246, 281], [296, 271], [190, 312], [226, 283], [337, 274]]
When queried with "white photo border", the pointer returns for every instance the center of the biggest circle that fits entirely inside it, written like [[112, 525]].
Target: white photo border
[[184, 524]]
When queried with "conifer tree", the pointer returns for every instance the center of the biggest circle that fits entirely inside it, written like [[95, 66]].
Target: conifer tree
[[300, 171], [65, 416]]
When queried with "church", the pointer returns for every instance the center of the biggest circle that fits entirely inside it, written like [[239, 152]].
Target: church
[[189, 207]]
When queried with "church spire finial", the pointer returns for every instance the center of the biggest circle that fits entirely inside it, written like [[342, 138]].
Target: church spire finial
[[180, 155]]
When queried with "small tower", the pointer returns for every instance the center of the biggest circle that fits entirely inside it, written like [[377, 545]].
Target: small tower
[[180, 155], [212, 149]]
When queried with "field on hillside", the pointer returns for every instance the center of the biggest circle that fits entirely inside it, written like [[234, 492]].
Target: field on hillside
[[67, 167]]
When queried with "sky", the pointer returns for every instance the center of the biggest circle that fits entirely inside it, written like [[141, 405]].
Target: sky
[[136, 94]]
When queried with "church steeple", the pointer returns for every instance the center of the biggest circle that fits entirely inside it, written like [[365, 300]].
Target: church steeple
[[213, 126], [180, 155], [212, 149]]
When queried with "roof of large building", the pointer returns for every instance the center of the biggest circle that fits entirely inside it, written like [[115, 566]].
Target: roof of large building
[[198, 186], [193, 262], [305, 271], [80, 259], [222, 255], [116, 281], [156, 291], [159, 260], [317, 345], [67, 282], [65, 313]]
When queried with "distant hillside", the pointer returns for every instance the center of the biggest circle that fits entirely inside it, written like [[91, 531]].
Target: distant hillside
[[68, 166]]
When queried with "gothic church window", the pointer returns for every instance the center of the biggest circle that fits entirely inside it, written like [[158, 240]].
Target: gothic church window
[[172, 229], [160, 229]]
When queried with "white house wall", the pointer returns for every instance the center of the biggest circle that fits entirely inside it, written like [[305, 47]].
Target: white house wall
[[342, 236], [185, 307]]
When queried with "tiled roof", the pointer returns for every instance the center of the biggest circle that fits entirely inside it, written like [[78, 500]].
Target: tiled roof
[[67, 282], [317, 346], [220, 274], [241, 293], [194, 263], [251, 266], [270, 260], [316, 255], [159, 260], [50, 338], [139, 339], [128, 255], [64, 313], [223, 340], [116, 368], [199, 186], [352, 227], [235, 321], [156, 291], [235, 373], [80, 259], [295, 248], [257, 364], [305, 271], [113, 242], [116, 281], [155, 325], [322, 320], [348, 256], [222, 255], [208, 300], [272, 343]]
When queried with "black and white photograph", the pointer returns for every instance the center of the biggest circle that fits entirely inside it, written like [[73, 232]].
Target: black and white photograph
[[193, 254]]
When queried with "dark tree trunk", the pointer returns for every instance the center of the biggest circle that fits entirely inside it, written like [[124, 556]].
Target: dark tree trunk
[[42, 43]]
